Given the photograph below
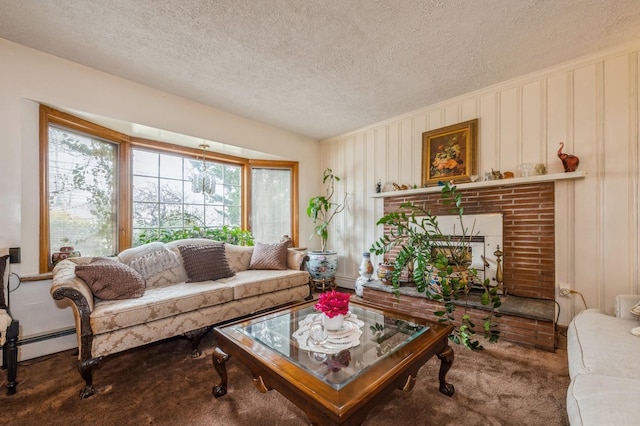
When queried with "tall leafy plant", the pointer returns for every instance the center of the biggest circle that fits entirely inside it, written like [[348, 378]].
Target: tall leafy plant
[[440, 265], [322, 209]]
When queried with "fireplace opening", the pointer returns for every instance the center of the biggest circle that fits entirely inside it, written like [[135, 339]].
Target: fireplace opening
[[481, 238]]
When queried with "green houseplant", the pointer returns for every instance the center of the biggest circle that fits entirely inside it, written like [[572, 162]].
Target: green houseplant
[[322, 264], [228, 234], [322, 209], [440, 265]]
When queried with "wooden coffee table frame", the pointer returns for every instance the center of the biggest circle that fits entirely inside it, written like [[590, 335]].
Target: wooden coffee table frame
[[323, 404]]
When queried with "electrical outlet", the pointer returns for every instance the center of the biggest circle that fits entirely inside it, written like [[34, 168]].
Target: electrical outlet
[[565, 292]]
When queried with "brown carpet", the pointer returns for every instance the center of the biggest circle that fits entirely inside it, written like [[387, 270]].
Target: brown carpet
[[161, 385]]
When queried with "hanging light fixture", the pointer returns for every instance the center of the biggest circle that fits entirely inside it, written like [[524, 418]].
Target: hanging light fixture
[[201, 180]]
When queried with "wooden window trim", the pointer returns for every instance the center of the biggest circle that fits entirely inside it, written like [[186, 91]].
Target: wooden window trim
[[50, 116], [245, 182], [295, 201], [125, 144]]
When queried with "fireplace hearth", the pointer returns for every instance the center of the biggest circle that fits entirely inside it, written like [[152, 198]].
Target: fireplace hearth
[[526, 321]]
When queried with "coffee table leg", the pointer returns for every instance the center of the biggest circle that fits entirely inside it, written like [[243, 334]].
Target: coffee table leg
[[409, 384], [219, 359], [446, 361]]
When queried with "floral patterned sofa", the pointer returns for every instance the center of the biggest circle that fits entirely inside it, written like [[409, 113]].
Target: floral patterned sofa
[[157, 291]]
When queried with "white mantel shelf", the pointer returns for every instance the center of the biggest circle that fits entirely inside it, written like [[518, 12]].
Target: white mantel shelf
[[486, 184]]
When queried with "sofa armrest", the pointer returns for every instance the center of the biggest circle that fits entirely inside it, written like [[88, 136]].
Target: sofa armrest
[[623, 305], [66, 285], [296, 259]]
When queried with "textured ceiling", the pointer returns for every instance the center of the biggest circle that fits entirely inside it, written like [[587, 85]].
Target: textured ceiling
[[319, 67]]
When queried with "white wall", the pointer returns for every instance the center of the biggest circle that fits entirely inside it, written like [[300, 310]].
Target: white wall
[[590, 104], [29, 77]]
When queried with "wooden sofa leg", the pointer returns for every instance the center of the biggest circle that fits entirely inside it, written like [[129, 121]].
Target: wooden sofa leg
[[195, 337], [86, 371]]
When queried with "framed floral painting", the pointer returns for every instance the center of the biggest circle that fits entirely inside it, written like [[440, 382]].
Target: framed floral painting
[[449, 153]]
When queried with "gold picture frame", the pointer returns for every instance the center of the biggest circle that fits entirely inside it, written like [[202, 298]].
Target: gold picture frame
[[449, 153]]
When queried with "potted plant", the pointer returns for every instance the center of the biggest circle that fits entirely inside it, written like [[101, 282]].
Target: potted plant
[[335, 307], [440, 264], [323, 264]]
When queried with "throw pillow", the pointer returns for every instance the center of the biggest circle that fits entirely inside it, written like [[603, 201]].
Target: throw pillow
[[205, 262], [635, 309], [111, 279], [150, 259], [239, 257], [155, 262], [270, 256], [129, 255]]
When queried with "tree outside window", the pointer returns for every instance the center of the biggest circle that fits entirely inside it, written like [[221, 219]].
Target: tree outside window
[[106, 191], [166, 202], [82, 193]]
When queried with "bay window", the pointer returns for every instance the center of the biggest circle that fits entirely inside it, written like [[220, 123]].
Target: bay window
[[167, 195], [103, 191]]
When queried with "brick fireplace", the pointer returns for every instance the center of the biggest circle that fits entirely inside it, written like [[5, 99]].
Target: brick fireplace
[[528, 233], [528, 262]]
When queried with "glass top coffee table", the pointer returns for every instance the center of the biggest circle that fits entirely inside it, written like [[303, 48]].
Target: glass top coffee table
[[336, 380]]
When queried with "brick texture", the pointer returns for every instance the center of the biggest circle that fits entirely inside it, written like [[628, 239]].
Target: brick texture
[[528, 226], [524, 331], [528, 262]]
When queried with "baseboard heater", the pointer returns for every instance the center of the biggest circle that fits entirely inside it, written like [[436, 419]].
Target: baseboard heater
[[47, 336]]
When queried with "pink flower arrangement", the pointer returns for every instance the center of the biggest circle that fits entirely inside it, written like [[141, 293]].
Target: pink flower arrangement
[[333, 303]]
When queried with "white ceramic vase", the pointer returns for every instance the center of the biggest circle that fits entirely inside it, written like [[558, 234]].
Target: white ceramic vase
[[333, 324], [360, 282]]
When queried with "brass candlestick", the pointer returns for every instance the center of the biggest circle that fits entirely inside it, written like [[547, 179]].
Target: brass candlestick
[[499, 275]]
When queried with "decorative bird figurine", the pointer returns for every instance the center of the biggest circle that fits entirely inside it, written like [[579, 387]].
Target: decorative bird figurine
[[570, 162]]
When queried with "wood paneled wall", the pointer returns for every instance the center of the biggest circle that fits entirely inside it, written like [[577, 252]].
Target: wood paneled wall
[[591, 105]]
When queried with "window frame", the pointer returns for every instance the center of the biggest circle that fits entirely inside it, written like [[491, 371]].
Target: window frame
[[196, 154], [51, 116], [126, 144], [292, 166]]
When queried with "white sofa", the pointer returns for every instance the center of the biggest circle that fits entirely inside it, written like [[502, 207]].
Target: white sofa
[[170, 304], [603, 366]]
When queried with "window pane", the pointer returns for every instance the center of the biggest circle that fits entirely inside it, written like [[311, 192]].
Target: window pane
[[145, 163], [170, 166], [145, 189], [82, 193], [145, 215], [171, 216], [231, 195], [182, 194], [232, 216], [214, 217], [232, 175], [217, 170], [194, 215], [270, 204], [170, 191]]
